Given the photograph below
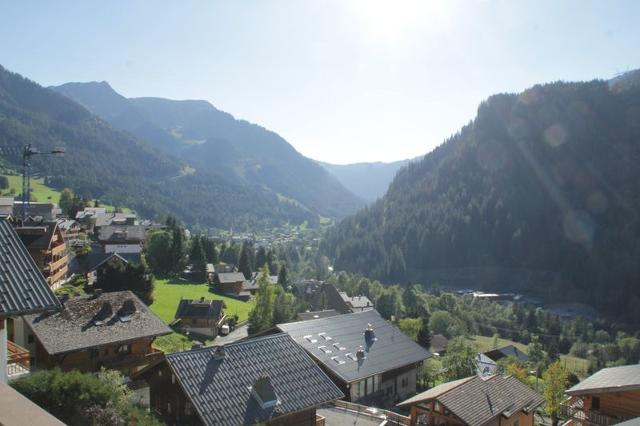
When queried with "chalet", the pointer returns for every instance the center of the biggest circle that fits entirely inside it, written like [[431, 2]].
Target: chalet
[[439, 344], [485, 366], [23, 290], [115, 219], [70, 229], [89, 264], [43, 211], [267, 380], [367, 357], [233, 284], [222, 267], [356, 303], [46, 245], [88, 217], [113, 330], [200, 317], [323, 296], [122, 239], [506, 351], [608, 397], [475, 401]]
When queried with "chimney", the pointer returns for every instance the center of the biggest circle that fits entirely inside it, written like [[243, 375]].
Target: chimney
[[360, 353], [369, 335], [218, 352]]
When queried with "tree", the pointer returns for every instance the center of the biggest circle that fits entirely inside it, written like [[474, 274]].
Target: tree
[[459, 361], [440, 322], [282, 277], [261, 316], [410, 327], [555, 383], [424, 334], [209, 247], [158, 252], [82, 398], [513, 367], [177, 250], [66, 201], [261, 257], [388, 304], [244, 263], [117, 275], [4, 182], [411, 301], [197, 259]]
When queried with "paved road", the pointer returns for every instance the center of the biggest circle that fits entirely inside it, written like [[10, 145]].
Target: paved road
[[237, 334]]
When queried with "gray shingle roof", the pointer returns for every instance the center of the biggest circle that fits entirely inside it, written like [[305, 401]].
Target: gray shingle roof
[[23, 289], [220, 388], [305, 316], [506, 351], [74, 327], [230, 277], [188, 308], [331, 340], [129, 233], [476, 401], [614, 379]]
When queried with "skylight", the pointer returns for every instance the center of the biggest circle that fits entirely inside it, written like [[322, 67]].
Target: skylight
[[339, 347], [338, 360], [324, 349], [310, 338]]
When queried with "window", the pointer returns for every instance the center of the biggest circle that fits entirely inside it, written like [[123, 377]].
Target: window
[[369, 385], [437, 407], [388, 391], [123, 349], [516, 423], [405, 382], [188, 409], [168, 407], [376, 382], [595, 403], [30, 338], [173, 378]]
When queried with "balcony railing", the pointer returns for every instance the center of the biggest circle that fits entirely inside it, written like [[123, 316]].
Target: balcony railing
[[590, 418], [133, 359], [374, 413], [18, 360], [320, 420]]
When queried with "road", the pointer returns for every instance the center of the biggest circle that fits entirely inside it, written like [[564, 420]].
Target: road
[[237, 334]]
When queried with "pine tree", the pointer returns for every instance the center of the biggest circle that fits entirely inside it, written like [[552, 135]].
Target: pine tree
[[282, 277], [261, 257], [177, 250], [244, 264], [424, 334], [197, 259]]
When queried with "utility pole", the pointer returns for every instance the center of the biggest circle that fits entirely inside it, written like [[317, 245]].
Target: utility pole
[[27, 153]]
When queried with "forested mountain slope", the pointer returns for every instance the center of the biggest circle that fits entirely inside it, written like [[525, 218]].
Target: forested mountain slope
[[211, 140], [101, 162], [540, 193], [367, 180]]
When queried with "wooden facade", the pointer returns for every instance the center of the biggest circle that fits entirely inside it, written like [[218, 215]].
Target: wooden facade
[[170, 403], [603, 409], [127, 357], [51, 257], [436, 414]]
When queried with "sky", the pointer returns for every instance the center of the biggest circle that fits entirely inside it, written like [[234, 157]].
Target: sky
[[343, 81]]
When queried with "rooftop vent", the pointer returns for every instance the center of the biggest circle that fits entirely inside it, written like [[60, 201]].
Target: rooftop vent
[[127, 310], [218, 352], [337, 360], [360, 353], [105, 312], [368, 333], [264, 393]]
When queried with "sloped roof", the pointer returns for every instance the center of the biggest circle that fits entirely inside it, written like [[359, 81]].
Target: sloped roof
[[439, 343], [356, 302], [23, 289], [613, 379], [37, 235], [75, 327], [230, 277], [188, 308], [476, 400], [89, 262], [220, 389], [331, 340], [506, 351], [122, 233], [305, 316]]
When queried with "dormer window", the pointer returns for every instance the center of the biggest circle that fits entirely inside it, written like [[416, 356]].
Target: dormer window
[[264, 393]]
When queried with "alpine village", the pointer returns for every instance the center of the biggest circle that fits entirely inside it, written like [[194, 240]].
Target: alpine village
[[164, 263]]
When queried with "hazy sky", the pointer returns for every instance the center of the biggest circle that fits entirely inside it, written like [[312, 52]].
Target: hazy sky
[[343, 81]]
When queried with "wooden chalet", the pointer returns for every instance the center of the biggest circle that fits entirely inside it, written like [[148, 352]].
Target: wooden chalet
[[267, 380], [112, 330], [23, 290], [475, 401], [200, 317], [45, 243], [608, 397]]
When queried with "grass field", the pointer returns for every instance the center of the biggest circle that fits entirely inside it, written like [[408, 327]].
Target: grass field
[[43, 193], [578, 366], [167, 294]]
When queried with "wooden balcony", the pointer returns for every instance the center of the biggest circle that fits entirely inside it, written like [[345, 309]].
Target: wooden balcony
[[587, 418], [18, 360], [374, 413], [57, 250], [53, 267], [320, 420], [133, 360]]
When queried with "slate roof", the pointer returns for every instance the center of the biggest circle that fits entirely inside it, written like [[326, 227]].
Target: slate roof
[[188, 308], [37, 236], [506, 351], [128, 233], [74, 327], [220, 389], [230, 277], [613, 379], [305, 316], [334, 342], [106, 219], [357, 303], [23, 289], [86, 263], [476, 400]]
